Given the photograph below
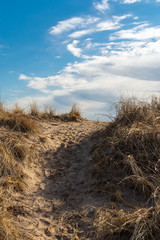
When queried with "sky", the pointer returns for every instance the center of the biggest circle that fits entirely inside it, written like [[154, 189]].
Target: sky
[[90, 53]]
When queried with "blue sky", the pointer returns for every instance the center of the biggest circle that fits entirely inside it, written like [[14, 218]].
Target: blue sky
[[86, 52]]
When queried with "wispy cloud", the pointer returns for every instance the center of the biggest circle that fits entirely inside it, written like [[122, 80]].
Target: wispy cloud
[[81, 33], [72, 23], [133, 67], [24, 77], [138, 33], [130, 1], [101, 6], [110, 24], [72, 47], [126, 61]]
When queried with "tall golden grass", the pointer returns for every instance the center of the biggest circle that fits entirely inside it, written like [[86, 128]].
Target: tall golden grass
[[15, 125], [49, 112], [73, 115], [126, 167], [14, 150]]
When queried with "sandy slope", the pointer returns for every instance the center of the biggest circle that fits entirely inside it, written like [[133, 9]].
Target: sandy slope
[[60, 201]]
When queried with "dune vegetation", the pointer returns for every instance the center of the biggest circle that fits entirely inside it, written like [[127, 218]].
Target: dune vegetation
[[124, 169], [14, 150], [127, 169], [15, 128]]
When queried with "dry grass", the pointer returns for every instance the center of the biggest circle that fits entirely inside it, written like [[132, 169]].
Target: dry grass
[[49, 111], [126, 166], [132, 110], [2, 109], [34, 110], [17, 122], [14, 151], [7, 229], [119, 224], [15, 125], [73, 115], [17, 110]]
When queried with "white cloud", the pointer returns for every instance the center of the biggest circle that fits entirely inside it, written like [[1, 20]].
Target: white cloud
[[133, 67], [38, 83], [106, 25], [130, 1], [66, 25], [81, 33], [130, 48], [138, 33], [129, 62], [122, 17], [73, 49], [25, 102], [24, 77], [101, 6], [72, 23]]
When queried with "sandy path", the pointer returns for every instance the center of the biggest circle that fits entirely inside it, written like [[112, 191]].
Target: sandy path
[[59, 202]]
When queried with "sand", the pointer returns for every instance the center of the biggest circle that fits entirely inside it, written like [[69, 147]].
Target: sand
[[60, 199]]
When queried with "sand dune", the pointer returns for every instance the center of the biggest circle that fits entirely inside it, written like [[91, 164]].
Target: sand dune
[[58, 202], [67, 178]]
